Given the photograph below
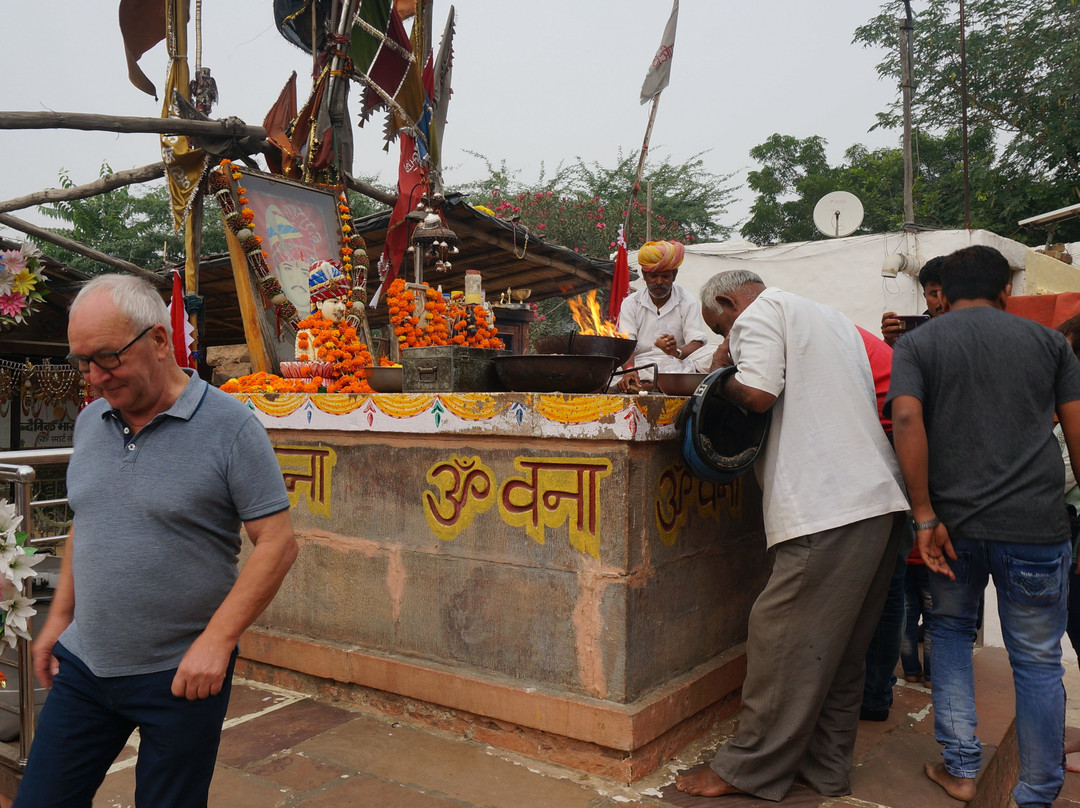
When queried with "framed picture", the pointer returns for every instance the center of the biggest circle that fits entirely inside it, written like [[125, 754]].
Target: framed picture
[[298, 223]]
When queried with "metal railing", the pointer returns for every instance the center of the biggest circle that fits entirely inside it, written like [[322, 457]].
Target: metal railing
[[20, 470]]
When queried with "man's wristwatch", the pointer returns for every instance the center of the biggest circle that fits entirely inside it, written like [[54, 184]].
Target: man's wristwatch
[[929, 524], [678, 353]]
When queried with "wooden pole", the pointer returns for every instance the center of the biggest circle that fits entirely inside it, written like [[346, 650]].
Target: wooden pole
[[640, 168], [906, 86], [99, 186], [246, 296], [648, 212], [91, 122], [964, 118], [75, 247]]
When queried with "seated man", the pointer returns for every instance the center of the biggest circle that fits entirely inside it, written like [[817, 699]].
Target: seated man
[[663, 318], [930, 281]]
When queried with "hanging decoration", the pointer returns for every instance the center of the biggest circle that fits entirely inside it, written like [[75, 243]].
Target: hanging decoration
[[54, 384], [22, 285]]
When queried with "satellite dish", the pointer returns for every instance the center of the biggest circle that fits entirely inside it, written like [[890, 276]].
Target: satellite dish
[[838, 214]]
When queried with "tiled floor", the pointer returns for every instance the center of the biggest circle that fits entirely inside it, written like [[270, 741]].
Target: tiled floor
[[284, 750]]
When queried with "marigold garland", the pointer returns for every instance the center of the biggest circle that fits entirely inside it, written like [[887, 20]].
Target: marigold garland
[[442, 322]]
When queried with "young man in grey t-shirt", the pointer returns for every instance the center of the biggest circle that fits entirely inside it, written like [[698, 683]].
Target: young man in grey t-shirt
[[973, 398]]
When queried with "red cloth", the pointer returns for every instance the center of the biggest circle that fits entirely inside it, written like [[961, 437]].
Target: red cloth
[[1050, 310], [620, 280], [412, 182], [178, 318], [880, 356]]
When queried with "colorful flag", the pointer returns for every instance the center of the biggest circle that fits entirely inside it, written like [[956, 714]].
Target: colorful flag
[[412, 181], [620, 280], [381, 53], [660, 70], [182, 332]]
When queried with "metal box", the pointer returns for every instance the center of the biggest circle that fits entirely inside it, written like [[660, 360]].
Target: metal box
[[450, 369]]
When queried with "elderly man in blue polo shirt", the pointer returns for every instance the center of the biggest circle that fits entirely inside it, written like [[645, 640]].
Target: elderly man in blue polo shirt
[[143, 628]]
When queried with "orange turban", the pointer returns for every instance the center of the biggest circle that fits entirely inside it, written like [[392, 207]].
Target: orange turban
[[660, 256]]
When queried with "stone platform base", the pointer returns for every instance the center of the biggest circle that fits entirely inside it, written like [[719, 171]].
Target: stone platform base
[[622, 742]]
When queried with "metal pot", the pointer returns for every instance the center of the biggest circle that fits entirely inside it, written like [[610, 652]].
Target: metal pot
[[621, 348], [679, 384], [385, 379], [555, 373]]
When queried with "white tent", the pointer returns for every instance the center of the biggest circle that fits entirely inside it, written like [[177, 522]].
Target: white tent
[[850, 273]]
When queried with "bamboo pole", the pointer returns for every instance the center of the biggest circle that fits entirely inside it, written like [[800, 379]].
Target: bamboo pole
[[75, 247], [91, 122], [640, 168]]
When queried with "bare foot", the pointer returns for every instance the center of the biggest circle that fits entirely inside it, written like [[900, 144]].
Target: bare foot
[[1072, 756], [959, 788], [1072, 762], [705, 783]]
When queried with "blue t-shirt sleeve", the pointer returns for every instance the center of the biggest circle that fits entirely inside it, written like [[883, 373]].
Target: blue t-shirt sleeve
[[255, 480]]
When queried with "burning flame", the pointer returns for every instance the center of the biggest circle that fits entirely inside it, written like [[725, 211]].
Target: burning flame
[[586, 313]]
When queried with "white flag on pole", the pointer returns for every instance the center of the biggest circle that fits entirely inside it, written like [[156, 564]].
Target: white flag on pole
[[660, 70]]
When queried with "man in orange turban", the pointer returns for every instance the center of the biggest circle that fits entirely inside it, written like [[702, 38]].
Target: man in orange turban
[[664, 318]]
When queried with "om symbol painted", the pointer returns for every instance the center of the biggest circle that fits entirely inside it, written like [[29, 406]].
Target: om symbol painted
[[466, 488]]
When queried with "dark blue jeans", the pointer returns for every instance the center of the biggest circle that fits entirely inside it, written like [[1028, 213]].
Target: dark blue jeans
[[917, 603], [87, 720], [884, 649]]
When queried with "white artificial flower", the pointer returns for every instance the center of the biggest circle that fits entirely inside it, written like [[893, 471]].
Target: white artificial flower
[[22, 567], [17, 613], [9, 516]]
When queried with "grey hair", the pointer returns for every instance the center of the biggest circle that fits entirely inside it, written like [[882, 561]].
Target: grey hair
[[135, 298], [726, 283]]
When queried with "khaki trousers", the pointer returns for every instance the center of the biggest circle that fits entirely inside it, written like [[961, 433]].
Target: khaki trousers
[[805, 651]]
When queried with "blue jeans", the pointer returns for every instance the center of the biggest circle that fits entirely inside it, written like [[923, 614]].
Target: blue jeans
[[1032, 587], [87, 720], [918, 603]]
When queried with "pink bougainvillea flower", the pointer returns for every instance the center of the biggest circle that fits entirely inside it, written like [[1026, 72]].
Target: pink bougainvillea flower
[[12, 304]]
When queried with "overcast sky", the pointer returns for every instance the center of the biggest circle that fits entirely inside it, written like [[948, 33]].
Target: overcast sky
[[534, 83]]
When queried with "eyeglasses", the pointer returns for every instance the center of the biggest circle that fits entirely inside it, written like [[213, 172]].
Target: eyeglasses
[[106, 360]]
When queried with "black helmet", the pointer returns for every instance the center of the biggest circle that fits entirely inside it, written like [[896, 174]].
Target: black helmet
[[720, 441]]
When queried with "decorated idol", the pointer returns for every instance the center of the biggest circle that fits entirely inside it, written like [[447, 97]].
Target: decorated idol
[[328, 288]]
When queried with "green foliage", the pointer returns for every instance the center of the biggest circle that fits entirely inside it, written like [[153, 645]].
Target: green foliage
[[582, 205], [1022, 57], [795, 175], [134, 225]]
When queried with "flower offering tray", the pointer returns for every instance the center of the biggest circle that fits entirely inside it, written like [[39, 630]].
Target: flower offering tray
[[450, 369]]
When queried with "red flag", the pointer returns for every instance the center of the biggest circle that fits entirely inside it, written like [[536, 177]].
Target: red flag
[[411, 185], [180, 324], [620, 280]]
